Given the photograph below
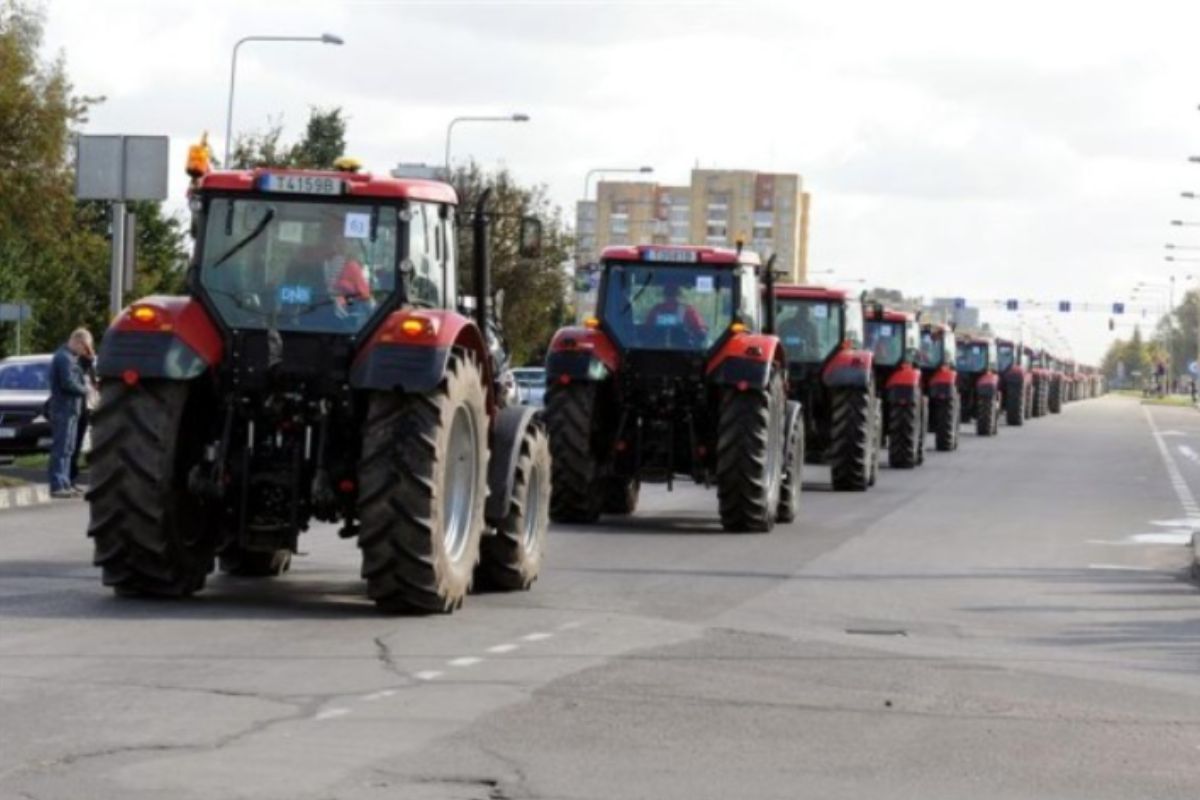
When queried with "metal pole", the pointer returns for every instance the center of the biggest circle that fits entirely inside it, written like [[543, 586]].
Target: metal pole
[[19, 315], [446, 162], [116, 279], [229, 109]]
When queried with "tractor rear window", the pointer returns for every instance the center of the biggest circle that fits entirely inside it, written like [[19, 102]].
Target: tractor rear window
[[809, 329], [668, 307], [933, 350], [298, 266], [1004, 353], [886, 341], [973, 358]]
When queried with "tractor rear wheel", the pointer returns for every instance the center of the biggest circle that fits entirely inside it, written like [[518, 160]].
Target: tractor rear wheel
[[236, 560], [1054, 397], [945, 432], [423, 479], [986, 413], [574, 496], [904, 433], [923, 430], [876, 438], [621, 495], [151, 535], [853, 433], [511, 557], [750, 455], [793, 468], [1014, 406]]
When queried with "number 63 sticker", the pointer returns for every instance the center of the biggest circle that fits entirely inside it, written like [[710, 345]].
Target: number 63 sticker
[[358, 226]]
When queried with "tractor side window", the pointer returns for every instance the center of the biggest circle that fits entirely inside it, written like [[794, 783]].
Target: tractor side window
[[449, 256], [854, 323], [425, 280]]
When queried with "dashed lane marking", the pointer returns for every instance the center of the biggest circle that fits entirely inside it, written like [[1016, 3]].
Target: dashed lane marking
[[502, 648], [379, 695], [428, 674], [536, 637], [331, 713], [464, 661], [1119, 568]]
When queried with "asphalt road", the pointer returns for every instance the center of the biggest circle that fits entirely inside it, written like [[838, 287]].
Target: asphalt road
[[1013, 620]]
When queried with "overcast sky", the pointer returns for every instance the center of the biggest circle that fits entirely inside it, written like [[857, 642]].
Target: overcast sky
[[1031, 150]]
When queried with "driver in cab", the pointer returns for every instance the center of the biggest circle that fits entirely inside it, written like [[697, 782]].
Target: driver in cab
[[671, 312], [330, 270]]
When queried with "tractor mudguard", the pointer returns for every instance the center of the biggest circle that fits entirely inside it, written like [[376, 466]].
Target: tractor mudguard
[[161, 337], [410, 350], [745, 360], [942, 384], [507, 433], [988, 384], [581, 354], [904, 386], [849, 369]]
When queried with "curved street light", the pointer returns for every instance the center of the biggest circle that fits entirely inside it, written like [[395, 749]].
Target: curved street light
[[324, 38], [517, 117], [587, 179]]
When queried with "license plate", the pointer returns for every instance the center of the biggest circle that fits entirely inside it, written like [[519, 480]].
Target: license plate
[[302, 184], [8, 433]]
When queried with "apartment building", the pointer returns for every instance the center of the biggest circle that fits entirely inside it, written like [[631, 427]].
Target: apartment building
[[769, 212]]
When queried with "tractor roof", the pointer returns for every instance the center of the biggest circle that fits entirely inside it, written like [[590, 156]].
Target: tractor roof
[[356, 184], [785, 291], [935, 327], [879, 314], [680, 255]]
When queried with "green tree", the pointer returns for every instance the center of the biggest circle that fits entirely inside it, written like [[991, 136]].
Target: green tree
[[534, 289], [324, 143]]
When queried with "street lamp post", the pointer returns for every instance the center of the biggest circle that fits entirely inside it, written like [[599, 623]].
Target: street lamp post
[[324, 38], [587, 179], [518, 117]]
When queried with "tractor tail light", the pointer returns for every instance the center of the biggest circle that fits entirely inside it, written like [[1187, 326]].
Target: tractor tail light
[[130, 377]]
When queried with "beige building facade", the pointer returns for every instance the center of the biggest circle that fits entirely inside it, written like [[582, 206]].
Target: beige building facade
[[769, 212]]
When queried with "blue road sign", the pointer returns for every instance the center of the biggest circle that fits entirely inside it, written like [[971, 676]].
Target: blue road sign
[[960, 302], [1064, 305], [1118, 308], [1012, 305]]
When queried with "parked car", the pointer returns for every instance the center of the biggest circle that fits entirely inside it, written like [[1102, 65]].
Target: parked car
[[532, 384], [24, 390]]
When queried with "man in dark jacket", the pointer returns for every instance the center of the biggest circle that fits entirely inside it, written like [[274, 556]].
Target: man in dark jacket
[[68, 392]]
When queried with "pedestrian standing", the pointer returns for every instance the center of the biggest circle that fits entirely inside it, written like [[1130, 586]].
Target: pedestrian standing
[[88, 365], [68, 392]]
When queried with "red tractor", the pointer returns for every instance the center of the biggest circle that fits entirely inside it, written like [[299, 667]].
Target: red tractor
[[831, 376], [939, 377], [1016, 381], [979, 383], [674, 376], [1039, 365], [1056, 392], [318, 368], [894, 339]]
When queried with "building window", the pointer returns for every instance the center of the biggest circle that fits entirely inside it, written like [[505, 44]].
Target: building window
[[716, 231]]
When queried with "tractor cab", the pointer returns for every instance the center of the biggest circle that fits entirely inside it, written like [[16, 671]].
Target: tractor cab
[[979, 354], [893, 337], [938, 348], [814, 323], [979, 383], [937, 359]]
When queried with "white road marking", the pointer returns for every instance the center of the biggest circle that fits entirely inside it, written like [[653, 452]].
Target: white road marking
[[1186, 499], [380, 695], [465, 661], [536, 637], [1189, 454], [330, 713], [1172, 433], [567, 626], [1120, 567], [428, 675], [502, 648]]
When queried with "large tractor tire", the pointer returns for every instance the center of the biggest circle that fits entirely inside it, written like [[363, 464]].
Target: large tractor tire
[[236, 560], [574, 496], [904, 436], [1041, 397], [987, 415], [750, 466], [793, 465], [876, 439], [151, 535], [423, 479], [924, 429], [620, 495], [1054, 397], [946, 424], [852, 437], [511, 558], [1014, 406]]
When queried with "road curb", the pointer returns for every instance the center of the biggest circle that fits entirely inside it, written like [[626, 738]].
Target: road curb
[[35, 494]]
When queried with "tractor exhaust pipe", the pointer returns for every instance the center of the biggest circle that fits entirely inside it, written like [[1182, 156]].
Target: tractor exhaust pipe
[[769, 279], [482, 262]]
